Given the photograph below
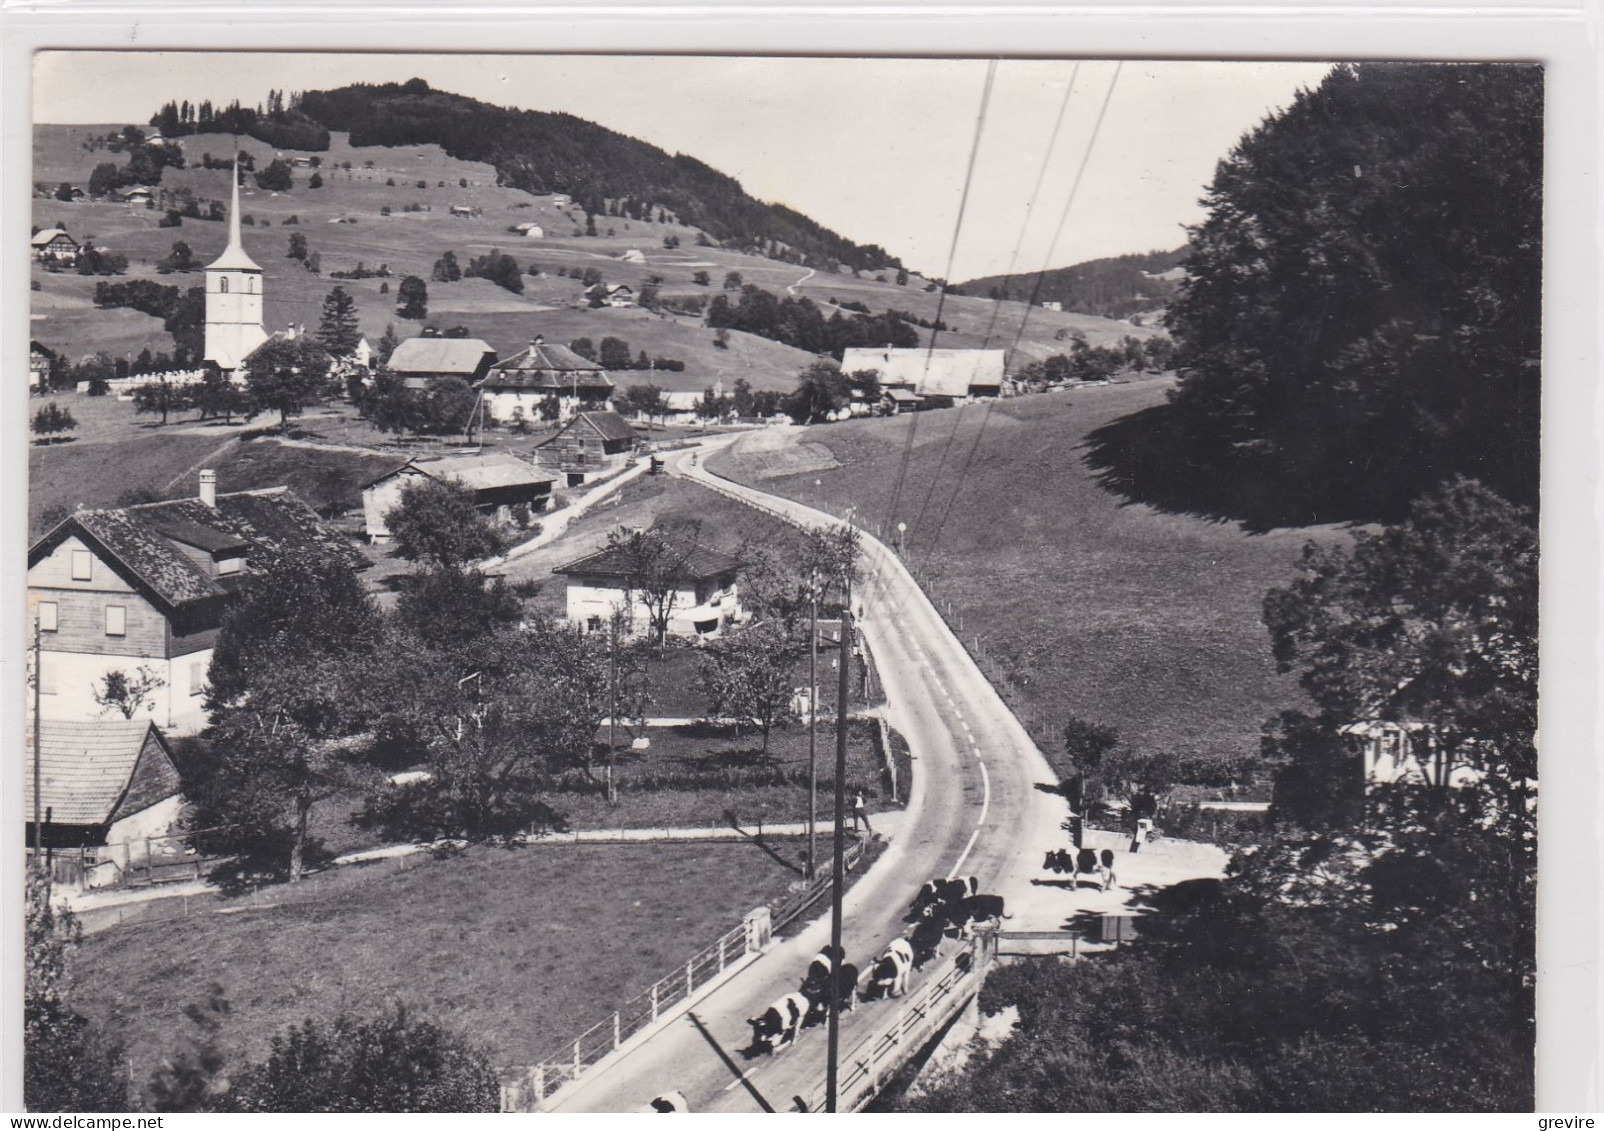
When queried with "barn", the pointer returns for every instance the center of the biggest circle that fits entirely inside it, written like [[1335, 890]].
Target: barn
[[504, 487], [589, 445], [422, 361]]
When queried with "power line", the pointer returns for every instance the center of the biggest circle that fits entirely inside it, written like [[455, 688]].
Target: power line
[[996, 310], [1069, 203], [952, 254]]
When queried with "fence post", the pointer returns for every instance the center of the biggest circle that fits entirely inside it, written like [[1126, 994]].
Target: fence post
[[540, 1081], [576, 1057], [654, 1000], [690, 977], [721, 952], [616, 1028]]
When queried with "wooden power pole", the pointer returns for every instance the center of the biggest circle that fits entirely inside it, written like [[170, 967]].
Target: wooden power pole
[[839, 874]]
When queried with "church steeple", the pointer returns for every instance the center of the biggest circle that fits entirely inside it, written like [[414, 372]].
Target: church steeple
[[233, 296], [234, 257]]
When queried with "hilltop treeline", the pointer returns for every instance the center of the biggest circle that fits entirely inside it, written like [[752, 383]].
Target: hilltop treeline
[[541, 152], [280, 124], [1116, 287], [799, 322]]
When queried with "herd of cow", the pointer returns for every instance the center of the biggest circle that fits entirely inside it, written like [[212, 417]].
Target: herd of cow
[[1084, 865], [943, 907]]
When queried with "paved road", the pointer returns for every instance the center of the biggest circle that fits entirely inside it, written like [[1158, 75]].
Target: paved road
[[974, 808]]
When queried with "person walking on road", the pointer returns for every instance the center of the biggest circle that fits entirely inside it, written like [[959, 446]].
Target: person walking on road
[[860, 812]]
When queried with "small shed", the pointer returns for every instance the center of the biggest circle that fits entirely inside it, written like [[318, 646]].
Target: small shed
[[108, 782], [589, 444], [504, 487]]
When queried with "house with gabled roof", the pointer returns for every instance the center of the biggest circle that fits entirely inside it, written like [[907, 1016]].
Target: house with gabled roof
[[940, 378], [420, 362], [505, 488], [148, 586], [589, 445], [516, 387], [705, 583], [53, 245], [108, 784]]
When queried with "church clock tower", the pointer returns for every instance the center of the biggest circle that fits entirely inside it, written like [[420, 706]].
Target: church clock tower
[[233, 297]]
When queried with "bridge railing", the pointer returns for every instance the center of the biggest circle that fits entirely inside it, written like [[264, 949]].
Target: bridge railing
[[922, 1014], [574, 1058]]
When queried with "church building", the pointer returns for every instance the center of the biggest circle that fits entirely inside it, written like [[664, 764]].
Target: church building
[[233, 299]]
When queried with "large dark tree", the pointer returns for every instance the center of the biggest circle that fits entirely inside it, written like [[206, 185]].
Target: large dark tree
[[339, 331], [286, 374], [1361, 314]]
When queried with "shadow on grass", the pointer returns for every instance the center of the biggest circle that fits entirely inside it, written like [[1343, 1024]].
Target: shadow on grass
[[1150, 457]]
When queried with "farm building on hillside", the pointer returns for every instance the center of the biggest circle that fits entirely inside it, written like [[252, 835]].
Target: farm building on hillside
[[530, 230], [520, 383], [589, 445], [420, 362], [612, 294], [464, 210], [54, 246], [940, 378], [107, 784], [148, 586], [504, 487], [39, 359], [706, 595], [633, 255], [139, 196]]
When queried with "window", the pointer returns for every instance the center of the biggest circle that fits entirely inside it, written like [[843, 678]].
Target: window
[[227, 566], [222, 285], [197, 677], [47, 616], [81, 568], [116, 620]]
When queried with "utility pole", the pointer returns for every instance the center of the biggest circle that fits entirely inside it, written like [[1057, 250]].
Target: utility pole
[[838, 876], [612, 708], [813, 721], [38, 691]]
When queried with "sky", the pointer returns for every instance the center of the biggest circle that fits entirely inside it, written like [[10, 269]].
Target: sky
[[875, 148]]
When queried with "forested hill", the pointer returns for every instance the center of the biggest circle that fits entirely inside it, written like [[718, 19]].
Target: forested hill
[[541, 152], [1110, 288]]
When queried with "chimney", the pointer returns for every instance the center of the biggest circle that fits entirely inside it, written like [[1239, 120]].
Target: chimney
[[208, 488]]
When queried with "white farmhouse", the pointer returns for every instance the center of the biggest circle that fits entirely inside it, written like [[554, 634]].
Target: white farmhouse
[[706, 597]]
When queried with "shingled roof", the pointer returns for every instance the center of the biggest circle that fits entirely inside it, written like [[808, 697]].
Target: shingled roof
[[96, 772], [480, 472], [609, 425], [701, 563], [144, 540], [459, 357], [544, 367]]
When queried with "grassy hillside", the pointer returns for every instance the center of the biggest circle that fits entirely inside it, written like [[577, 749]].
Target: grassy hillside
[[1113, 612], [65, 318]]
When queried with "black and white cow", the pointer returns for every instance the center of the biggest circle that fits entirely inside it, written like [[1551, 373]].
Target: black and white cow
[[925, 939], [668, 1102], [818, 993], [933, 893], [888, 977], [819, 968], [777, 1026]]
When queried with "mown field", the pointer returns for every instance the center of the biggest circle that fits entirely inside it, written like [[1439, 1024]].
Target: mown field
[[66, 319], [517, 949], [1090, 605]]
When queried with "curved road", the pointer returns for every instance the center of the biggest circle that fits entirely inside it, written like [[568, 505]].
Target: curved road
[[974, 808]]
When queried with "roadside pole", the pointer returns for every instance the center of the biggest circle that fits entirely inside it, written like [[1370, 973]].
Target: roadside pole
[[838, 876], [813, 724]]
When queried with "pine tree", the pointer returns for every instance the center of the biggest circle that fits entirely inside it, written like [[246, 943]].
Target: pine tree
[[338, 330]]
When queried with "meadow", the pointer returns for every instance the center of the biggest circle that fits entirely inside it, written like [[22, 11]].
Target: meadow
[[1080, 602], [513, 948]]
